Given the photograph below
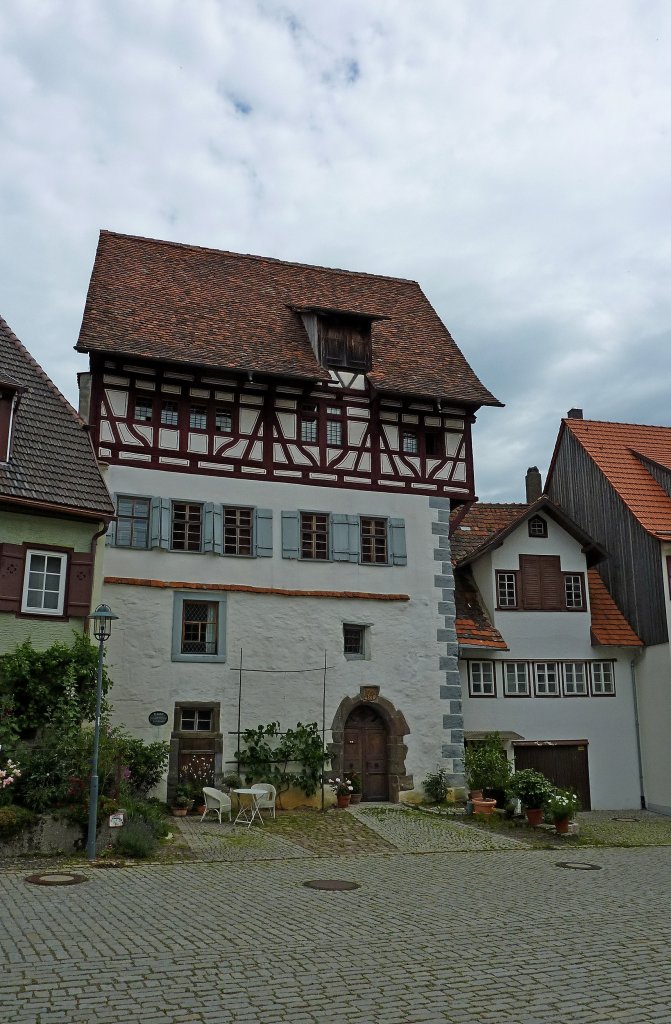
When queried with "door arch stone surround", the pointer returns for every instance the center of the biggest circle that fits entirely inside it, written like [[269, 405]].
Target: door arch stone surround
[[397, 729]]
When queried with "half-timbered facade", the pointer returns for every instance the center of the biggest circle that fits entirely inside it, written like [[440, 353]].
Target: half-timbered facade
[[615, 480], [284, 445], [545, 653]]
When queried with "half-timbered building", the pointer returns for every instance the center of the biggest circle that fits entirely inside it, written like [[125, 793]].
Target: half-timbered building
[[284, 444], [615, 480]]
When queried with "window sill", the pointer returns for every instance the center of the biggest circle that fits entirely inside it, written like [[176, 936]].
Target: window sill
[[199, 659]]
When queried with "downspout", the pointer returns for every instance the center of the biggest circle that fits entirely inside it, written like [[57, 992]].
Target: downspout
[[94, 542], [632, 666]]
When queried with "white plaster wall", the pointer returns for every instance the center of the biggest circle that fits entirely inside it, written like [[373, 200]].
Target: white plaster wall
[[280, 632], [653, 675]]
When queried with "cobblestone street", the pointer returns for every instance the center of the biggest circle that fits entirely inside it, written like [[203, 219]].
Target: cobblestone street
[[499, 936]]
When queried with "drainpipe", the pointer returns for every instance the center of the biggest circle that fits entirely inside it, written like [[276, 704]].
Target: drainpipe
[[94, 542], [632, 666]]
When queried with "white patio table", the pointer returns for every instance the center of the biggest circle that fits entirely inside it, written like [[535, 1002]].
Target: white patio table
[[248, 810]]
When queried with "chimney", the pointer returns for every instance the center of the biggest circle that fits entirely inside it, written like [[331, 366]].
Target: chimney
[[533, 484], [574, 414]]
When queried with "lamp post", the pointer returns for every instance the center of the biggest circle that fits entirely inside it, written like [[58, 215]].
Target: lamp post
[[102, 619]]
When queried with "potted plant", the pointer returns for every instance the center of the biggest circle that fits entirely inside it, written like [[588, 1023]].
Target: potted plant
[[532, 789], [487, 769], [180, 804], [342, 789], [355, 795], [560, 807]]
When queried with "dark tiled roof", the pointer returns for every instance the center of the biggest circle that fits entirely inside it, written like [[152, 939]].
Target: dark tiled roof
[[617, 448], [52, 460], [472, 623], [609, 626], [481, 525], [182, 303]]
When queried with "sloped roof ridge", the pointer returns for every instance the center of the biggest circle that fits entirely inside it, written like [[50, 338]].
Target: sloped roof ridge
[[255, 257], [44, 377], [617, 423]]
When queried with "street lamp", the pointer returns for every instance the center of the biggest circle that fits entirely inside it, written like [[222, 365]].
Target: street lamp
[[102, 619]]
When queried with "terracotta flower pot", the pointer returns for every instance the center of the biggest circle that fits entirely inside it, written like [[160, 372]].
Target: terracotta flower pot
[[200, 809], [179, 812], [355, 798], [561, 825], [343, 801], [475, 794], [534, 815], [483, 806]]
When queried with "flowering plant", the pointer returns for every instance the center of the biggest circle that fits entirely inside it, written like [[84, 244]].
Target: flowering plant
[[8, 776], [341, 787], [532, 788], [562, 803]]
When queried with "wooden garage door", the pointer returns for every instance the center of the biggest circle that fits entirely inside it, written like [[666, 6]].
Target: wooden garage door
[[564, 764]]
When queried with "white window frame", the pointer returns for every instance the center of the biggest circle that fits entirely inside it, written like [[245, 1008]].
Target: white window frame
[[481, 683], [58, 611], [542, 685], [511, 687], [574, 595], [182, 597], [505, 580], [602, 687], [570, 680]]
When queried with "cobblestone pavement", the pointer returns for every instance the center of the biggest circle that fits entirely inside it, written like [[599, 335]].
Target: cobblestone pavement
[[497, 937], [418, 832]]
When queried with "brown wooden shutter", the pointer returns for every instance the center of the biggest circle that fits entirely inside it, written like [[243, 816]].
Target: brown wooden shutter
[[12, 559], [530, 578], [552, 583], [80, 584]]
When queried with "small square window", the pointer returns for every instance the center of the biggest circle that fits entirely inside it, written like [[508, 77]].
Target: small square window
[[315, 535], [354, 641], [374, 540], [223, 421], [238, 529], [186, 526], [481, 679], [143, 410], [603, 680], [196, 720], [573, 590], [547, 679], [44, 583], [198, 417], [132, 528], [409, 443], [506, 589], [575, 679], [516, 679], [538, 527], [170, 414]]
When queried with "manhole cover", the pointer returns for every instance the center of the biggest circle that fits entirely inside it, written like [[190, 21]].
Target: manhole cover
[[331, 884], [624, 819], [57, 878], [578, 865]]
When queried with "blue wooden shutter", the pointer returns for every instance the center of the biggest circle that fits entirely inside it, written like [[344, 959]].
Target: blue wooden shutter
[[161, 518], [213, 528], [290, 534], [339, 537], [354, 538], [263, 532], [397, 549]]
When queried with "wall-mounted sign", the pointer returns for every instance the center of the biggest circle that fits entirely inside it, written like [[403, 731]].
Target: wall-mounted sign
[[116, 819], [158, 718]]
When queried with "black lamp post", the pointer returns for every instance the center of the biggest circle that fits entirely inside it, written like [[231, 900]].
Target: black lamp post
[[102, 619]]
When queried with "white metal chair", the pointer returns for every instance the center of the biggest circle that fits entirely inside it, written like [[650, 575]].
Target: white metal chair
[[265, 801], [216, 801]]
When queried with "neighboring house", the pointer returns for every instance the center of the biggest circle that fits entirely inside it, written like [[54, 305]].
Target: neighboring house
[[284, 443], [54, 505], [615, 480], [545, 654]]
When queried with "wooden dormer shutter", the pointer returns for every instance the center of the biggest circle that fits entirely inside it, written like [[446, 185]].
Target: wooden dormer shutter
[[542, 583], [12, 559], [80, 584]]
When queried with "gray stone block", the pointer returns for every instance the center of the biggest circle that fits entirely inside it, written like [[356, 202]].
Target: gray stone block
[[441, 528], [443, 503], [455, 707], [453, 750], [445, 636], [450, 693], [454, 722]]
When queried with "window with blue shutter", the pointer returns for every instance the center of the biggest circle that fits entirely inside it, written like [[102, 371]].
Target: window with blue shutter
[[263, 532], [213, 528], [397, 548], [344, 537], [161, 517], [290, 534]]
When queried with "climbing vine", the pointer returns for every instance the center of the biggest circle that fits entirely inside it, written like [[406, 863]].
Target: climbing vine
[[293, 758]]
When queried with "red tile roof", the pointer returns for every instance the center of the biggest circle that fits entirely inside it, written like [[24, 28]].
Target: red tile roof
[[182, 303], [619, 449], [609, 626], [472, 622], [481, 524]]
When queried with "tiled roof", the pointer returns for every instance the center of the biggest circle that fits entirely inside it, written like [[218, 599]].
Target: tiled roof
[[52, 461], [616, 449], [609, 626], [183, 303], [480, 526], [472, 622]]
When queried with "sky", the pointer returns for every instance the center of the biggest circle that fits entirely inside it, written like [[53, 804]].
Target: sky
[[513, 157]]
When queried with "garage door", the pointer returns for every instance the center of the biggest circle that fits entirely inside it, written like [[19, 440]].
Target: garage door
[[563, 762]]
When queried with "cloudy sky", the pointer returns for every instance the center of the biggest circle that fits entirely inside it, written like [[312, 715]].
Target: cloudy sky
[[513, 157]]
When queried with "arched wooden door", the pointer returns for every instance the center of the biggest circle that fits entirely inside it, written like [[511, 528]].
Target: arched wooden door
[[365, 752]]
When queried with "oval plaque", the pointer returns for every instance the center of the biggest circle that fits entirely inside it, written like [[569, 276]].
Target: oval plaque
[[158, 718]]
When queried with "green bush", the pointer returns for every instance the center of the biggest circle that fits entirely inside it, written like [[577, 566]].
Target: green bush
[[486, 765], [136, 839], [436, 785], [152, 813], [13, 820]]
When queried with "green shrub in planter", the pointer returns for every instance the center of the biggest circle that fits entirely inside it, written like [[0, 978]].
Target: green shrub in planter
[[136, 839], [486, 765]]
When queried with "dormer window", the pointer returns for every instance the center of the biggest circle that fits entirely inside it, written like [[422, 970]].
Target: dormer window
[[538, 527], [345, 342], [9, 397]]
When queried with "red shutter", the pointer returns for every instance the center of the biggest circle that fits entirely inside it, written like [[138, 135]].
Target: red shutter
[[530, 578], [12, 558], [80, 584]]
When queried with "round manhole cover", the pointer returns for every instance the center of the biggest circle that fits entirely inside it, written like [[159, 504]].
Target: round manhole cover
[[56, 878], [578, 865], [624, 819], [331, 884]]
